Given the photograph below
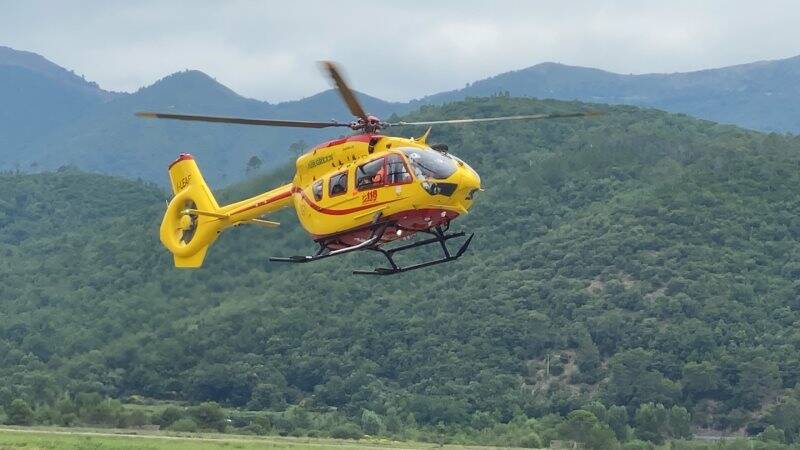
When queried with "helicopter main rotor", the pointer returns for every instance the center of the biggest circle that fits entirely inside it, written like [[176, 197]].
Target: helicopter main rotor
[[364, 122]]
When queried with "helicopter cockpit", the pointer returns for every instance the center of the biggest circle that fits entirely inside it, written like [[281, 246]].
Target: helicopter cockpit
[[429, 163]]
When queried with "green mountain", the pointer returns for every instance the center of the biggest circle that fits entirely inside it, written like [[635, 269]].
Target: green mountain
[[633, 258], [50, 117], [763, 95], [38, 95]]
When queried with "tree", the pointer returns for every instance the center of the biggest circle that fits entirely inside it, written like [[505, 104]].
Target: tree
[[588, 357], [759, 379], [786, 416], [773, 434], [209, 415], [582, 426], [632, 383], [297, 148], [598, 409], [298, 417], [185, 424], [19, 413], [617, 419], [347, 430], [253, 165], [266, 396], [578, 425], [393, 422], [136, 419], [530, 440], [94, 409], [680, 423], [371, 423], [699, 379], [169, 416], [651, 423]]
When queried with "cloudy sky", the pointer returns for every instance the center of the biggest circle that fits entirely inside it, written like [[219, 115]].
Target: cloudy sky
[[395, 50]]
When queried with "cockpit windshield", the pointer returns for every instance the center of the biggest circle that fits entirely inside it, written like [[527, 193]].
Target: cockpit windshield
[[430, 163]]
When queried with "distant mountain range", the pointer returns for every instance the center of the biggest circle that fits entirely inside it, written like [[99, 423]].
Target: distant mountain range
[[51, 117], [763, 95]]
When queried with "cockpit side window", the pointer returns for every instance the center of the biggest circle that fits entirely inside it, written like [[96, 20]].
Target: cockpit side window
[[396, 170], [371, 175], [316, 188], [338, 184]]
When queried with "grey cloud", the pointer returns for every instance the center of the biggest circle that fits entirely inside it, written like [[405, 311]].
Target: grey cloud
[[395, 51]]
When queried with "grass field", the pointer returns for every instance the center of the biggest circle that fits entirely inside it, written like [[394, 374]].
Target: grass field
[[73, 439]]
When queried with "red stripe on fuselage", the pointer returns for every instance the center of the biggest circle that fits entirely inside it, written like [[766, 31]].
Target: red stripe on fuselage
[[280, 196], [337, 212], [314, 206]]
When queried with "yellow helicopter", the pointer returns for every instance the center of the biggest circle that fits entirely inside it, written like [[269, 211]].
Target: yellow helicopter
[[358, 192]]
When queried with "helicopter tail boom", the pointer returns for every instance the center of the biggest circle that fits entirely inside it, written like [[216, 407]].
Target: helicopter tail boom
[[194, 219]]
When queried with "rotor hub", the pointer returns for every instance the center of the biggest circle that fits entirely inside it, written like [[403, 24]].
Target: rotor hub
[[371, 124]]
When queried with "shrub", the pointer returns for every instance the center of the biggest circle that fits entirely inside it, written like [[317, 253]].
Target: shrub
[[169, 416], [636, 444], [19, 413], [773, 434], [186, 424], [347, 431], [209, 415], [371, 423], [530, 440]]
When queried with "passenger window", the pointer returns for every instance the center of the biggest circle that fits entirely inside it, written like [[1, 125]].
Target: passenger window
[[370, 175], [338, 184], [316, 188], [396, 171]]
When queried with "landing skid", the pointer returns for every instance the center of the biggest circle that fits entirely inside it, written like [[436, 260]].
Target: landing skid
[[373, 243], [325, 252], [439, 236]]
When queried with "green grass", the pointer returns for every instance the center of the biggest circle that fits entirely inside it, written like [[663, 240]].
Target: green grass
[[74, 439]]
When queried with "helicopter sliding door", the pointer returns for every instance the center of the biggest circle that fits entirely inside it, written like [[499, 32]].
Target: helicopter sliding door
[[371, 175], [386, 171]]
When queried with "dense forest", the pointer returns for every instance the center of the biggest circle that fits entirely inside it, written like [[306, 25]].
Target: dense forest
[[633, 279]]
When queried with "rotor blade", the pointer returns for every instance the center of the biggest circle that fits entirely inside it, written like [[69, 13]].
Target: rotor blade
[[497, 119], [242, 121], [347, 94]]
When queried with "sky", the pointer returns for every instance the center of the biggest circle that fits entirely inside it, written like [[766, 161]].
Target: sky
[[395, 50]]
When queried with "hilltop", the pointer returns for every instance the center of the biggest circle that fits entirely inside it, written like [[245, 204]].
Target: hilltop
[[762, 95], [51, 117]]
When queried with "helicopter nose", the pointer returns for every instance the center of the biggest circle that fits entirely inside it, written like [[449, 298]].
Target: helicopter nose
[[471, 179], [469, 186]]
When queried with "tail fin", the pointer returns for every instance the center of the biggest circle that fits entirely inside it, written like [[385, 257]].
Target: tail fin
[[193, 219]]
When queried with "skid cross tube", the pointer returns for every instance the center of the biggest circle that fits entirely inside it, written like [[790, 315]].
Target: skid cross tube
[[439, 236], [373, 243]]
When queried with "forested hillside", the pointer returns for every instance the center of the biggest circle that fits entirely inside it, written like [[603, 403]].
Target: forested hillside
[[622, 263]]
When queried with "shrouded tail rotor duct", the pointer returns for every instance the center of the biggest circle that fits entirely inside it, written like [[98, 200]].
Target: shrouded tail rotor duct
[[188, 222]]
